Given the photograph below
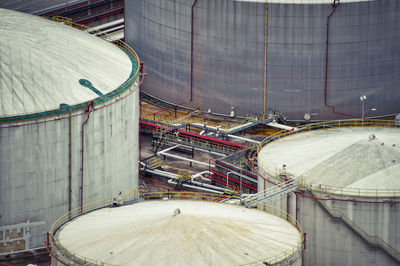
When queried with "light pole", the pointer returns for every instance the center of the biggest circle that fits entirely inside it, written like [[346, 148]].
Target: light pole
[[363, 99]]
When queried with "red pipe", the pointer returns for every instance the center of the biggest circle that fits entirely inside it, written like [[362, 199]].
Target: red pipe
[[50, 252], [302, 252], [232, 179], [197, 136], [88, 110], [191, 63], [336, 3]]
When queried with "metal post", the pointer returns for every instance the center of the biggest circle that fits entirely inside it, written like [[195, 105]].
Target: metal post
[[363, 98], [362, 119], [227, 177]]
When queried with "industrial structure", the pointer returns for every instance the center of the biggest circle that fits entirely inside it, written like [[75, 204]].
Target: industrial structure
[[309, 59], [68, 101], [227, 114], [348, 199]]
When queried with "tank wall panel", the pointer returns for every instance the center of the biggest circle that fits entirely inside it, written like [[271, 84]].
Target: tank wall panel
[[228, 62], [34, 164], [329, 241]]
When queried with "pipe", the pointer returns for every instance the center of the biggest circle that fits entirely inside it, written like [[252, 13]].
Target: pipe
[[50, 252], [175, 177], [194, 187], [265, 60], [241, 138], [88, 110], [69, 166], [336, 3], [182, 158], [201, 175], [191, 64], [191, 51]]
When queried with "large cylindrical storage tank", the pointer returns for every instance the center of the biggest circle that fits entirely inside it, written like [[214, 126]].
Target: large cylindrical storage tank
[[251, 57], [177, 232], [348, 200], [69, 113]]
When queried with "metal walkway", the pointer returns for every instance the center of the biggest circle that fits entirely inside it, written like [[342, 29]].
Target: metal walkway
[[272, 192]]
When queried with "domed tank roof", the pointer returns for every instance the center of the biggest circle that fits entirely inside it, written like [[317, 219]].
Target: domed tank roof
[[179, 232], [352, 158], [42, 63]]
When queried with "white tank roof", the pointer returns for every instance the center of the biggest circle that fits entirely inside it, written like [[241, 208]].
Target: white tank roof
[[356, 158], [204, 233], [41, 63]]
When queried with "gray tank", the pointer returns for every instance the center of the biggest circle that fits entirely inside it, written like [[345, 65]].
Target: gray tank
[[253, 57]]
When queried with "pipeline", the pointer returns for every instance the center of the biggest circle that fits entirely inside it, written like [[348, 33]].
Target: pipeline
[[142, 70], [47, 246], [194, 187], [335, 4], [88, 110]]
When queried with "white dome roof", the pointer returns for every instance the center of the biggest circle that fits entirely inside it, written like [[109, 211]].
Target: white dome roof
[[41, 63], [203, 233], [342, 157]]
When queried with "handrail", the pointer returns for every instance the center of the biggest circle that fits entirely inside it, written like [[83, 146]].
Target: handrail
[[375, 193], [371, 239], [99, 100], [58, 249]]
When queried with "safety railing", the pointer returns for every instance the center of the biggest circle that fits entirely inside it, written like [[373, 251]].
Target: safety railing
[[287, 254], [269, 173], [67, 109], [336, 190], [162, 138], [60, 252]]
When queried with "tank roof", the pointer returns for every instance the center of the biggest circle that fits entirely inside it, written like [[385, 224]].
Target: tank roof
[[203, 233], [362, 158], [42, 62]]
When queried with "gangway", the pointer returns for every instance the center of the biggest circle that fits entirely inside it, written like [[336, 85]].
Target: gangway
[[272, 192]]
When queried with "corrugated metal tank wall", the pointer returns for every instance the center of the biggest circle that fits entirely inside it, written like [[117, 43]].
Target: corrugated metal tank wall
[[329, 240], [34, 164], [228, 55]]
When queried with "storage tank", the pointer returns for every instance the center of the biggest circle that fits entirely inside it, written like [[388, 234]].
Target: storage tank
[[177, 232], [69, 112], [348, 200], [310, 59]]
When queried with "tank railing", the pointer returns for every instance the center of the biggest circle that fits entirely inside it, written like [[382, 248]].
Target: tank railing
[[63, 253], [337, 190], [269, 173], [64, 110], [370, 239], [262, 207]]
